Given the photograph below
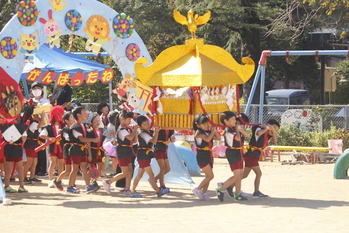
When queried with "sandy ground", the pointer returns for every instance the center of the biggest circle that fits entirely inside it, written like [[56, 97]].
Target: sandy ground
[[303, 198]]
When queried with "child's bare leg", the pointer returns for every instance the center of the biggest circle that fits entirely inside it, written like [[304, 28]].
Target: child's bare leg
[[64, 173], [137, 179], [152, 181], [60, 166], [73, 174], [113, 164], [32, 168], [27, 166], [20, 173], [129, 175], [257, 181], [208, 177], [123, 174], [100, 169], [85, 174], [8, 171], [53, 161], [161, 174]]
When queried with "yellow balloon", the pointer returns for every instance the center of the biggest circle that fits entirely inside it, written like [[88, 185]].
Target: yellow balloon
[[3, 43], [123, 26], [14, 52], [4, 53], [12, 41]]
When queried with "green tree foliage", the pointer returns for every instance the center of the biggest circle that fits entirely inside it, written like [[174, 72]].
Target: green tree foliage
[[242, 27]]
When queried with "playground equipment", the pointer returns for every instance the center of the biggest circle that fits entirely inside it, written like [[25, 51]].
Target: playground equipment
[[260, 73], [340, 170]]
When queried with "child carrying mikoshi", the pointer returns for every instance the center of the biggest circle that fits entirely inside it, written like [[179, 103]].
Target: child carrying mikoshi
[[55, 150], [165, 137], [234, 153], [35, 122], [68, 119], [241, 120], [96, 151], [77, 153], [126, 136], [145, 153], [261, 135], [204, 142]]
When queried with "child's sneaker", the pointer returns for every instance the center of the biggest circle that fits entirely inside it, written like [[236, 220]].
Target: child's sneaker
[[35, 180], [164, 191], [72, 190], [230, 192], [206, 197], [126, 192], [26, 181], [10, 190], [91, 189], [22, 190], [58, 184], [134, 194], [51, 184], [240, 198], [106, 185], [258, 194], [220, 194], [197, 192]]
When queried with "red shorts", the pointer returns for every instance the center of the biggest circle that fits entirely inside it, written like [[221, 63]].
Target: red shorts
[[58, 155], [160, 155], [124, 162], [67, 161], [251, 161], [204, 165], [13, 159], [236, 166], [30, 153], [77, 159], [2, 160], [144, 163]]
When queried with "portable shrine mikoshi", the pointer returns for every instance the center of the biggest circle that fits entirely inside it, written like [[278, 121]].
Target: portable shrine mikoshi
[[194, 78]]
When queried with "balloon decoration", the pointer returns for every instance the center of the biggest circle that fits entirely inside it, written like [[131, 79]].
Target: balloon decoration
[[44, 21], [123, 26], [8, 47]]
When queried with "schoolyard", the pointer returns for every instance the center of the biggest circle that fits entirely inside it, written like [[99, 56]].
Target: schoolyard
[[303, 198]]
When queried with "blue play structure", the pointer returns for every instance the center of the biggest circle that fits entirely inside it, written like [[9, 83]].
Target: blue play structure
[[260, 73]]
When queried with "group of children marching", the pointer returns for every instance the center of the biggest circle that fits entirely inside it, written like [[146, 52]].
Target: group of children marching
[[74, 146], [240, 163]]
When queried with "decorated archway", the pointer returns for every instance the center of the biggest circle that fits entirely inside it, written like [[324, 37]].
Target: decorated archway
[[44, 21]]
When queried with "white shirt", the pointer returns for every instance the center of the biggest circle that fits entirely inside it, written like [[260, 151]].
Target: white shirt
[[122, 134], [33, 126], [45, 133], [43, 100], [146, 137], [229, 137]]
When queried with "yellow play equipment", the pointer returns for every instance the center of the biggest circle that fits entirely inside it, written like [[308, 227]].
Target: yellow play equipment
[[193, 78]]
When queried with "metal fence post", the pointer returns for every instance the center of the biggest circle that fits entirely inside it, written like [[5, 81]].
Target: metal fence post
[[346, 116]]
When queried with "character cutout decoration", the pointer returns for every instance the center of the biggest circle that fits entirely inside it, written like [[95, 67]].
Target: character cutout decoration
[[97, 30], [58, 5], [28, 47], [52, 30]]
